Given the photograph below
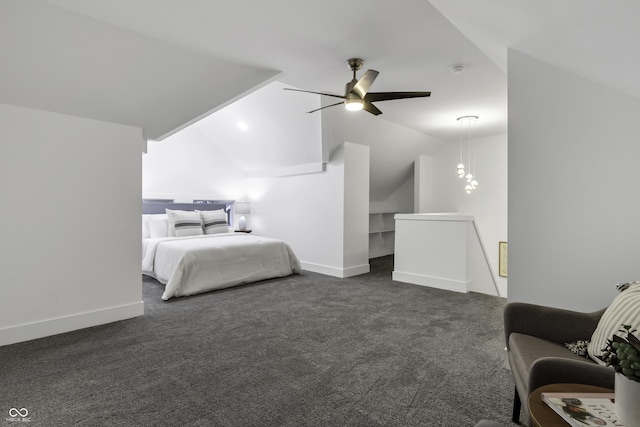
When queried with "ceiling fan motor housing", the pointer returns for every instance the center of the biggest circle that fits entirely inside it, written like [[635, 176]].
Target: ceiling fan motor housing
[[355, 64]]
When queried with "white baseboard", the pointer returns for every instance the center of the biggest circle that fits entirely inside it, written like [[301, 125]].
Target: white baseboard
[[334, 271], [433, 282], [59, 325], [356, 271]]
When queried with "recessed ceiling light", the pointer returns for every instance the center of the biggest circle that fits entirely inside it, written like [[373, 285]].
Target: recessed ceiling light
[[243, 126]]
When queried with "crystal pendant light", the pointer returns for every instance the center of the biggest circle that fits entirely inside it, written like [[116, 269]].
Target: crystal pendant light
[[469, 177]]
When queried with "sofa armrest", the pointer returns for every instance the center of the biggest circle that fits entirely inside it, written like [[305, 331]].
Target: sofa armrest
[[552, 370], [549, 323]]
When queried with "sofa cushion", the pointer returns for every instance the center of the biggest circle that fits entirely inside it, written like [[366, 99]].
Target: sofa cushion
[[526, 349], [624, 310]]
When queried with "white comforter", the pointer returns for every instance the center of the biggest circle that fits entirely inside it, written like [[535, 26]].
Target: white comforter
[[195, 264]]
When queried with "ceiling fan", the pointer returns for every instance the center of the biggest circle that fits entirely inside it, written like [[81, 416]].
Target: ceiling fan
[[356, 94]]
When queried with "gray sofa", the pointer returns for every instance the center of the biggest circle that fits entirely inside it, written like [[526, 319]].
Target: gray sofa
[[536, 337]]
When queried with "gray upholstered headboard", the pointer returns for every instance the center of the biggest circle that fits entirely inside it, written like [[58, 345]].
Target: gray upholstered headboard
[[158, 206]]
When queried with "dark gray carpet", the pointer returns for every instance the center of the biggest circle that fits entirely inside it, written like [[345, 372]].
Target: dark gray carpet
[[307, 350]]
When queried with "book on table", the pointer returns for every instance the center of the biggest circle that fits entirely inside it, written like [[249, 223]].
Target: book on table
[[584, 409]]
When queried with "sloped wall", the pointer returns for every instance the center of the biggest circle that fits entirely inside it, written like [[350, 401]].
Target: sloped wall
[[393, 148], [57, 60], [211, 158], [188, 166]]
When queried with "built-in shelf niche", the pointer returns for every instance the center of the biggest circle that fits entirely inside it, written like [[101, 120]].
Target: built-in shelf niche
[[381, 233]]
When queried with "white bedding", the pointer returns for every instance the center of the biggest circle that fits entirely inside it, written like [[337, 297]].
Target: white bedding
[[195, 264]]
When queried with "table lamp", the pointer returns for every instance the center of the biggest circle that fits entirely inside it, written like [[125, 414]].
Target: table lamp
[[242, 208]]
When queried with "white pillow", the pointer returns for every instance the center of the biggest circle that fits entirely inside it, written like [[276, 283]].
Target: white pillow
[[146, 232], [624, 310], [172, 229], [158, 226], [184, 223], [214, 222]]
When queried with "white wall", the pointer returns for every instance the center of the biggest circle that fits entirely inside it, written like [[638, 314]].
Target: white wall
[[423, 184], [318, 213], [188, 166], [279, 133], [211, 158], [441, 190], [70, 223], [393, 148], [356, 209], [401, 200], [573, 187]]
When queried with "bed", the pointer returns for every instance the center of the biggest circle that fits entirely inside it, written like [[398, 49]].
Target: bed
[[195, 251]]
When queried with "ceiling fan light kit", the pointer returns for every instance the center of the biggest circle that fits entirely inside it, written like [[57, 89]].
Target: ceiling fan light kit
[[357, 96], [353, 102]]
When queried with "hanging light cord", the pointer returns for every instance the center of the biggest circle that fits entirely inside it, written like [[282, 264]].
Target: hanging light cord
[[460, 164], [461, 139], [472, 181], [469, 146]]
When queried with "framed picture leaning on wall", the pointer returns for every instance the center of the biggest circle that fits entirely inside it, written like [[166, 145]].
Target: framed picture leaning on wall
[[502, 259]]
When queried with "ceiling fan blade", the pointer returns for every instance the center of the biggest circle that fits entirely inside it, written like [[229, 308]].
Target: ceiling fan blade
[[317, 93], [326, 106], [365, 82], [369, 107], [388, 96]]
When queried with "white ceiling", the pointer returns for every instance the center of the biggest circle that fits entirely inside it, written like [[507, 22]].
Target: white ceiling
[[595, 39], [162, 64], [56, 60], [412, 43]]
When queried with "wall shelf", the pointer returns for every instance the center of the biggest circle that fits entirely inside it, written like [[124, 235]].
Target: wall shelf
[[381, 233]]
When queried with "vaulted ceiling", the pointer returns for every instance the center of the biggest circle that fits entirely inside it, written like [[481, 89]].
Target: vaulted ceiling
[[230, 48], [162, 64], [307, 43]]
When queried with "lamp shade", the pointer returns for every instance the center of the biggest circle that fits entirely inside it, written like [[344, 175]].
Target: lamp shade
[[242, 208]]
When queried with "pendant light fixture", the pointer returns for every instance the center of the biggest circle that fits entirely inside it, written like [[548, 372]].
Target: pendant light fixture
[[466, 129], [461, 172]]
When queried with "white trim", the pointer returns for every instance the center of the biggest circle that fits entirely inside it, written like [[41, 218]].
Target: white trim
[[486, 257], [446, 216], [334, 271], [433, 282], [59, 325], [301, 169]]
